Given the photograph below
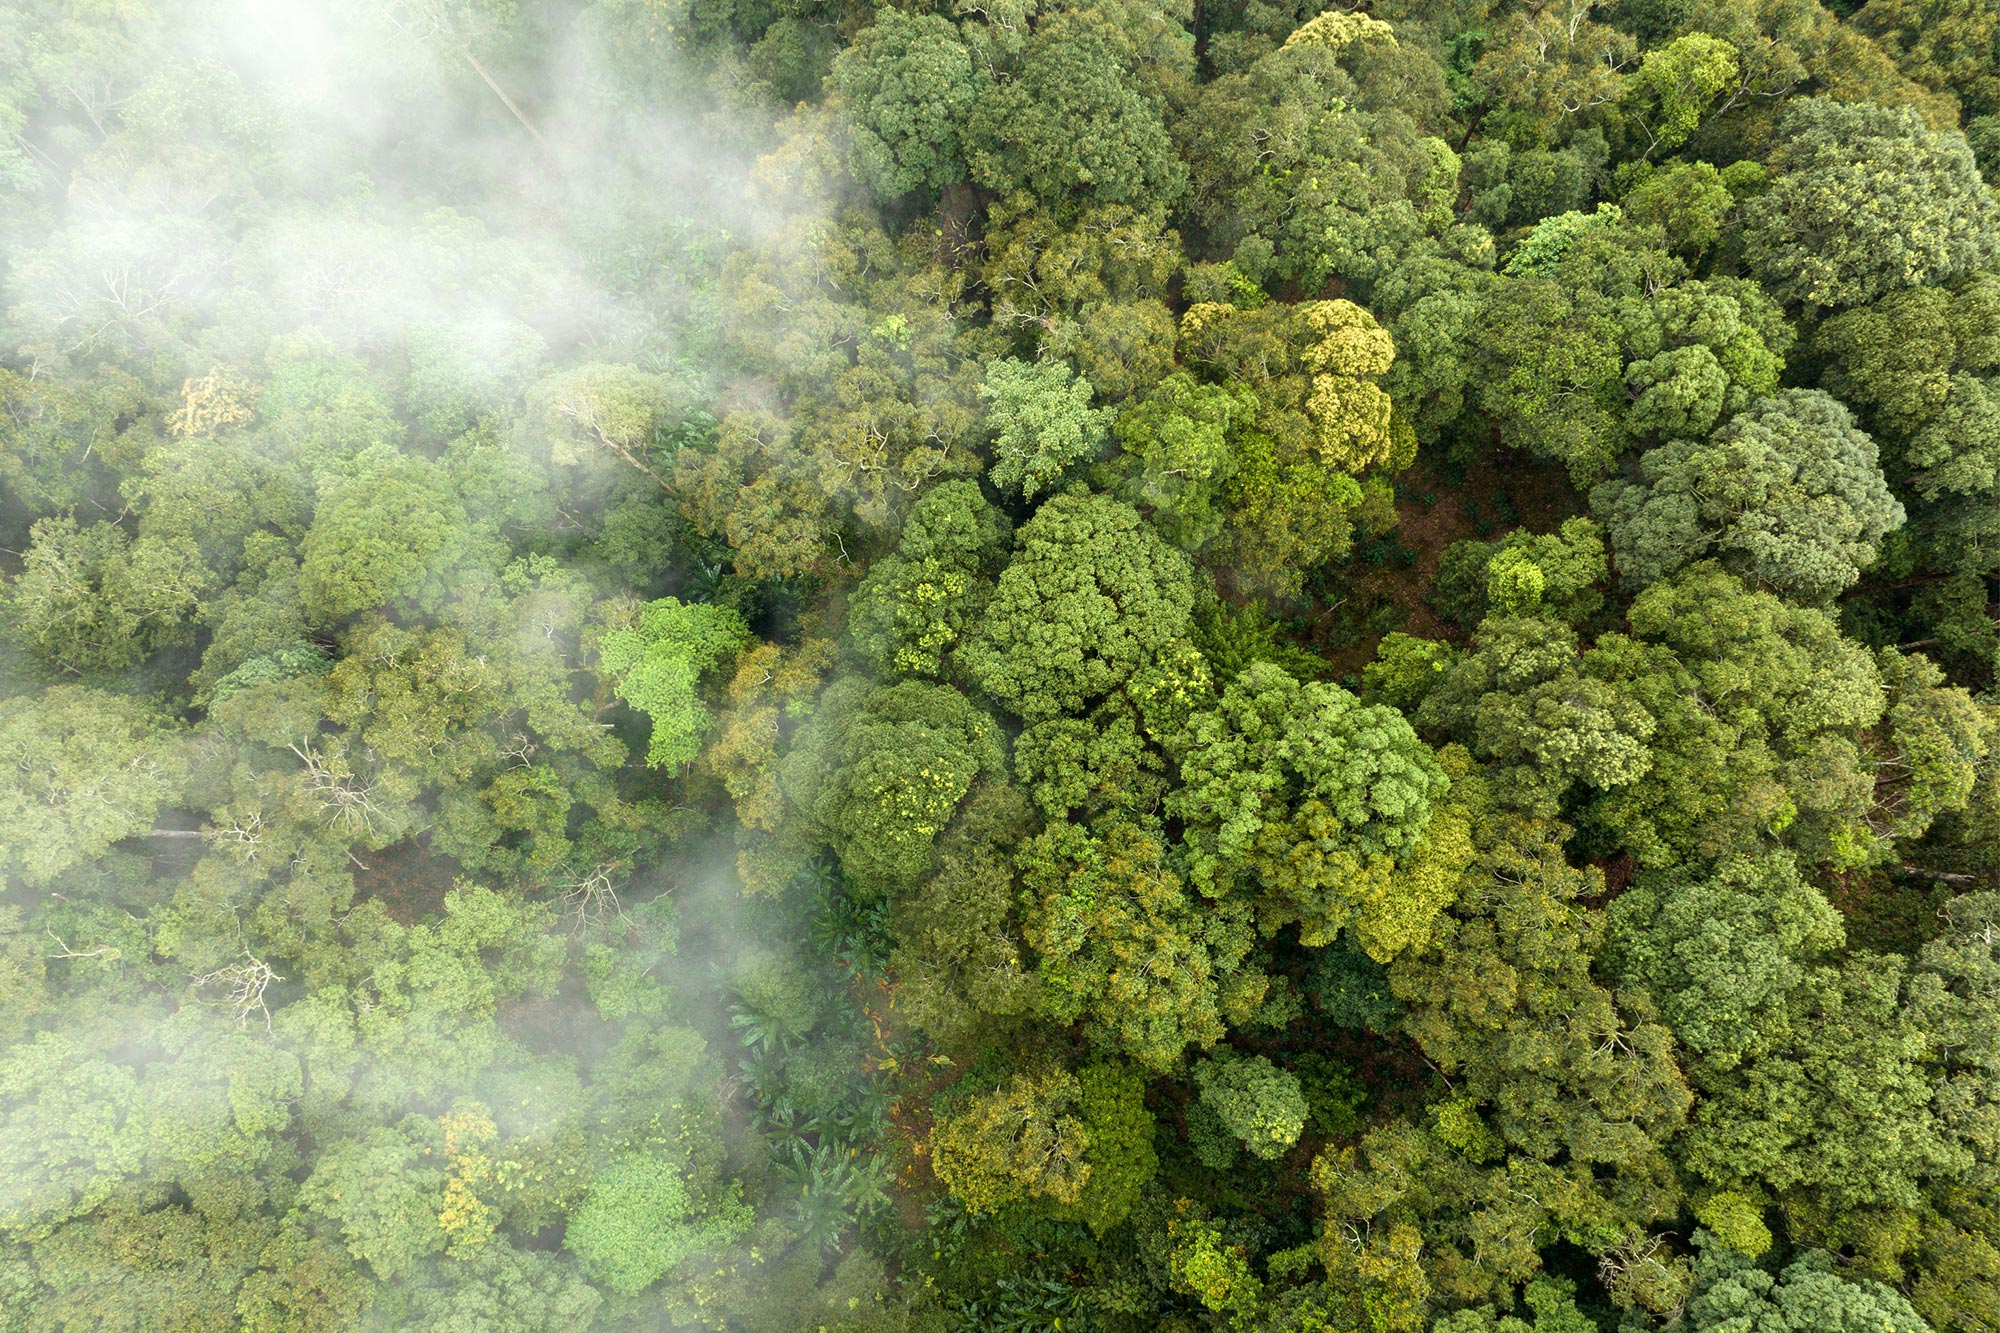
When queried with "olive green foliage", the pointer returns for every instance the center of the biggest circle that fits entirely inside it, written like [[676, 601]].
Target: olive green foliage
[[1321, 418], [1175, 445], [1720, 953], [1254, 1099], [1073, 73], [880, 770], [1732, 1292], [1915, 363], [1124, 941], [1306, 798], [1022, 1140], [906, 84], [1596, 351], [638, 1221], [1112, 1106], [915, 607], [1551, 1302], [85, 769]]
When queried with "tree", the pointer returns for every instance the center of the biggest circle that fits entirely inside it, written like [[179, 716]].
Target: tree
[[502, 1287], [382, 1194], [1553, 378], [1176, 456], [1915, 363], [640, 1220], [1757, 711], [1072, 124], [1522, 698], [1502, 999], [1123, 943], [399, 1013], [1315, 368], [303, 1282], [1043, 422], [1551, 574], [389, 530], [52, 426], [1838, 1106], [1688, 200], [1303, 794], [1864, 200], [1305, 156], [1021, 1140], [1943, 44], [1733, 1292], [1721, 953], [912, 608], [1091, 595], [1698, 353], [1789, 493], [1093, 764], [657, 658], [93, 599], [1547, 66], [599, 409], [1112, 1106], [70, 1137], [958, 958], [85, 769], [1937, 742], [1677, 82], [1542, 250], [1254, 1099], [880, 770], [905, 85], [1312, 370]]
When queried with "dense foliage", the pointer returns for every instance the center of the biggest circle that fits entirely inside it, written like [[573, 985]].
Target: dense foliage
[[1092, 665]]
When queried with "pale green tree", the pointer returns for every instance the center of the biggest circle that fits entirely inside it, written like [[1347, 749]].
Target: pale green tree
[[84, 769], [1865, 200], [656, 659], [1044, 426], [1788, 493]]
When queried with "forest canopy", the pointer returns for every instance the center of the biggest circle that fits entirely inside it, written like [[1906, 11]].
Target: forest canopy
[[1087, 665]]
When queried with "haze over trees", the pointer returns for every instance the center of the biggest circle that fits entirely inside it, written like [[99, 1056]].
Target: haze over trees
[[1049, 665]]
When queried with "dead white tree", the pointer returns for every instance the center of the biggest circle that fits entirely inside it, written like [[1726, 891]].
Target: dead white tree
[[591, 899], [240, 987]]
